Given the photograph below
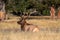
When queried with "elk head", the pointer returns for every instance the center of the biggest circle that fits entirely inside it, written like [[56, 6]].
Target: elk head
[[22, 22]]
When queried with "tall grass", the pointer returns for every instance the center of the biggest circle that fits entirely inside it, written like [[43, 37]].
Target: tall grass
[[29, 36], [49, 30]]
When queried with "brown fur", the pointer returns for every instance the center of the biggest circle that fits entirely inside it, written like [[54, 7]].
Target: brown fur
[[52, 13], [27, 26]]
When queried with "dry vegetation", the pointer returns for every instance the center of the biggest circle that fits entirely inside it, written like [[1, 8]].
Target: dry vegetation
[[49, 30]]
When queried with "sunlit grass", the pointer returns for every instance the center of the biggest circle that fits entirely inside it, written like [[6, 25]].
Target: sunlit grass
[[30, 36], [49, 30]]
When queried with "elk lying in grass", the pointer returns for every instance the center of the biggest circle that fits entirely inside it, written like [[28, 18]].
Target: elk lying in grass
[[27, 26]]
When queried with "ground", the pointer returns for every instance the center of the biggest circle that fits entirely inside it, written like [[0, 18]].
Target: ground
[[49, 30]]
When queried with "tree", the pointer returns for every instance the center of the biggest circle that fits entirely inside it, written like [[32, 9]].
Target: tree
[[2, 10], [24, 5]]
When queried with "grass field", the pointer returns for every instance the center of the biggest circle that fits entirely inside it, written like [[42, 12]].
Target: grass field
[[49, 30]]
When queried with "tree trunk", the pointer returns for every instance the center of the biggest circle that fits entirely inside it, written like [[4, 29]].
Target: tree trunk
[[58, 16], [2, 11]]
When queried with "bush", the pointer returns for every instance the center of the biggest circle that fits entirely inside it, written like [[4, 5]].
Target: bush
[[46, 12]]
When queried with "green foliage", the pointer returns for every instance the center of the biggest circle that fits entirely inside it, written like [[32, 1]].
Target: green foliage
[[46, 12], [26, 5]]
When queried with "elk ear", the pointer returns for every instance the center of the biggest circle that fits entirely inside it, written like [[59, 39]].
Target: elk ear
[[19, 22]]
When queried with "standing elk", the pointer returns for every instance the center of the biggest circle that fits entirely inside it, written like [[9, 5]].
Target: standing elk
[[52, 12], [27, 26]]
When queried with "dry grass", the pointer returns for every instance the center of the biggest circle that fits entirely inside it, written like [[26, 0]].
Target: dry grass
[[45, 23], [29, 36], [49, 30]]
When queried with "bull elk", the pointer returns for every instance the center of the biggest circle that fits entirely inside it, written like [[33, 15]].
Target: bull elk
[[27, 26]]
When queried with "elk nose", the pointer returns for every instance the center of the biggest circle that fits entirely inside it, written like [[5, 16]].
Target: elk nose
[[18, 22]]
